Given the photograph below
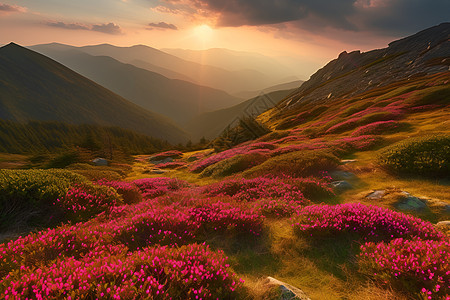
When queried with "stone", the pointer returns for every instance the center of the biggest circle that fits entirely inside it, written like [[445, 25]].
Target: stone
[[341, 185], [376, 195], [100, 161], [348, 161], [288, 291], [410, 202]]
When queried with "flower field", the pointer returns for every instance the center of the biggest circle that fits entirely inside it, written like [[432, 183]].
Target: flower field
[[219, 223]]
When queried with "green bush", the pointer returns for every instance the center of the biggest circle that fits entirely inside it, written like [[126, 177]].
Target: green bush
[[234, 165], [296, 164], [24, 194], [428, 156]]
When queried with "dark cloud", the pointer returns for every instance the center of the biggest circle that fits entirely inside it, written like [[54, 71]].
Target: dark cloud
[[387, 16], [162, 25], [109, 28], [11, 8]]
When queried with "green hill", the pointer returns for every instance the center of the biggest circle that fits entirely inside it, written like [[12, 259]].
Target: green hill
[[35, 87], [177, 99]]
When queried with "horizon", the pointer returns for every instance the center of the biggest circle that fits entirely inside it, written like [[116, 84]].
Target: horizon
[[307, 33]]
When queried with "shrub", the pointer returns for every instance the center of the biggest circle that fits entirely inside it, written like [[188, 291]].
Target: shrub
[[369, 221], [420, 266], [243, 149], [429, 156], [312, 188], [223, 217], [128, 190], [189, 272], [154, 187], [277, 208], [256, 188], [26, 194], [85, 201], [236, 164], [296, 164]]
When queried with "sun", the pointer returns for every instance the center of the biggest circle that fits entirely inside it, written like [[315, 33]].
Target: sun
[[204, 32]]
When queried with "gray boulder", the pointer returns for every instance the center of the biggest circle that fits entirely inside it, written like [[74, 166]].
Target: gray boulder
[[411, 203], [100, 161], [341, 185], [376, 195]]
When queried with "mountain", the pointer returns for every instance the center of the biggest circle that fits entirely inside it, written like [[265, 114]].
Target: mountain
[[279, 87], [179, 100], [211, 124], [424, 53], [237, 60], [35, 87], [154, 60]]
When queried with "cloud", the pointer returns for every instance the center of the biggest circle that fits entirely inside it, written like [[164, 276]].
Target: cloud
[[162, 25], [109, 28], [6, 8], [73, 26], [383, 16]]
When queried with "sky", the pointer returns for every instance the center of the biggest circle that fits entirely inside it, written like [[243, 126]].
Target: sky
[[309, 32]]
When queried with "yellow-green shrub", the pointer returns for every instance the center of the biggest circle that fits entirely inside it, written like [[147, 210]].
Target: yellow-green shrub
[[429, 156], [297, 164]]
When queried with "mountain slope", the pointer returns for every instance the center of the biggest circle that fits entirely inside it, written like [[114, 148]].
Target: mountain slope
[[177, 99], [229, 81], [34, 87], [211, 124], [426, 52], [279, 87]]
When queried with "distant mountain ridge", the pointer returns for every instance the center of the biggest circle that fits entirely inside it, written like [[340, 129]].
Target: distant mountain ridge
[[35, 87], [426, 52], [159, 61], [176, 99]]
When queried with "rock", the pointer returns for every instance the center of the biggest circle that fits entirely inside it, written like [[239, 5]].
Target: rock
[[410, 202], [100, 161], [162, 161], [288, 291], [376, 195], [348, 161], [341, 185]]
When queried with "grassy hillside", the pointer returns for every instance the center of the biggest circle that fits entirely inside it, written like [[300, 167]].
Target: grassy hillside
[[34, 87], [177, 99]]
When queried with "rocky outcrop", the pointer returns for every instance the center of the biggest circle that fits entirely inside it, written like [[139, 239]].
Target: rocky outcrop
[[426, 52]]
